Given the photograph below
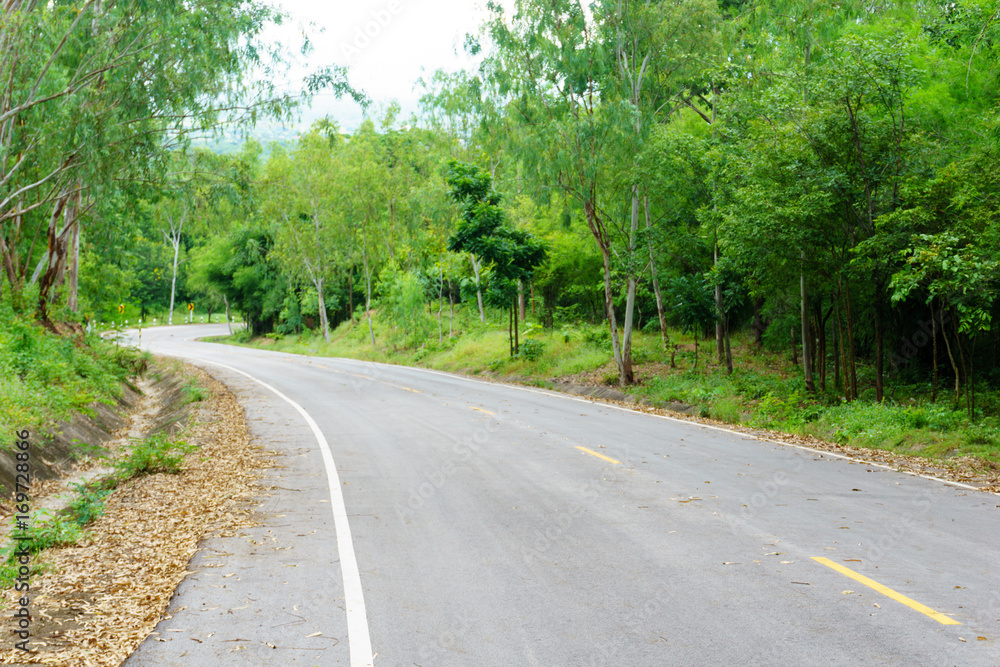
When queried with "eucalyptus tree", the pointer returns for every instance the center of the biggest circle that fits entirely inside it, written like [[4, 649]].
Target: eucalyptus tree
[[659, 48], [93, 97], [312, 231], [361, 176], [549, 60]]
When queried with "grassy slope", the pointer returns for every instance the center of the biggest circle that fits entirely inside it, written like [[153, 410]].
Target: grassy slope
[[764, 391], [45, 378]]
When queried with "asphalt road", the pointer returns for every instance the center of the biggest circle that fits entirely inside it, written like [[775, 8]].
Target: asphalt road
[[484, 524]]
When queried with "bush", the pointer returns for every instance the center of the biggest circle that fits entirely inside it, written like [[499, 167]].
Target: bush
[[45, 377], [89, 503], [156, 454], [530, 350]]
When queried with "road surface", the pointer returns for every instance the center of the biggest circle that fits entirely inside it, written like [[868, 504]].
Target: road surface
[[485, 524]]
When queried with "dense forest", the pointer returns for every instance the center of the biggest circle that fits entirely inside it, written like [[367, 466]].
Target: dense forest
[[824, 178]]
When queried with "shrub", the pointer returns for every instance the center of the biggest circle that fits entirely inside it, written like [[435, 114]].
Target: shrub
[[531, 350], [156, 454]]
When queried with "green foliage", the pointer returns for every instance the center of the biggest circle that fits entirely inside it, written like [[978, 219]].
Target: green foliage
[[194, 392], [46, 377], [88, 504], [404, 299], [531, 350], [158, 453], [47, 532]]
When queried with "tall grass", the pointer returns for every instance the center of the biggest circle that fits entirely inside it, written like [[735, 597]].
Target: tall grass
[[45, 377]]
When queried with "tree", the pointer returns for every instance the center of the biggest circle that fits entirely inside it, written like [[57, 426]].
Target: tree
[[311, 236], [511, 254]]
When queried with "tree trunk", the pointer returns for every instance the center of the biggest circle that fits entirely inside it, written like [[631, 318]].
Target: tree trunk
[[823, 347], [517, 339], [520, 300], [510, 332], [441, 308], [934, 382], [807, 361], [53, 260], [479, 291], [838, 350], [963, 363], [720, 346], [971, 380], [628, 377], [656, 282], [350, 294], [609, 302], [73, 298], [368, 284], [628, 326], [879, 342], [729, 351], [229, 321], [321, 304], [173, 280], [852, 367], [951, 358], [451, 319]]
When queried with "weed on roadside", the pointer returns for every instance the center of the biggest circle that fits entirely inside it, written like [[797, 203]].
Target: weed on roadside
[[158, 453]]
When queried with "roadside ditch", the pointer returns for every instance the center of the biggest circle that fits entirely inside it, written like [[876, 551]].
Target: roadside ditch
[[124, 496]]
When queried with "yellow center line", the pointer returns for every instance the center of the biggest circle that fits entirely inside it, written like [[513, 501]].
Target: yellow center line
[[600, 456], [408, 389], [486, 411], [888, 592]]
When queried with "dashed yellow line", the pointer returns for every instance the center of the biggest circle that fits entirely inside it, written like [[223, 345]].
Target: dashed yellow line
[[600, 456], [413, 390], [888, 592], [492, 414]]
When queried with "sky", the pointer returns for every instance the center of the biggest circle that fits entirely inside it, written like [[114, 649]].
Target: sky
[[387, 44]]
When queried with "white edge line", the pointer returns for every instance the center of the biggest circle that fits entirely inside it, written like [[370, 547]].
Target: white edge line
[[579, 399], [358, 638]]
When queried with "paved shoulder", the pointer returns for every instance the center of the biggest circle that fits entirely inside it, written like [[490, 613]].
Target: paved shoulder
[[271, 594]]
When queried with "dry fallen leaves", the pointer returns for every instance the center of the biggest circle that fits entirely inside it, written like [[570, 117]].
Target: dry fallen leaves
[[104, 596]]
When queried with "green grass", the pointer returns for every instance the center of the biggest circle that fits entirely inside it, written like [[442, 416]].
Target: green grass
[[765, 390], [45, 378]]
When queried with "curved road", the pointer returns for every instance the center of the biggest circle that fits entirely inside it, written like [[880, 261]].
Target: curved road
[[485, 524]]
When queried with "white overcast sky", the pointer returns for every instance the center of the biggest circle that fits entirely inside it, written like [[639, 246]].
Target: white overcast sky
[[412, 39]]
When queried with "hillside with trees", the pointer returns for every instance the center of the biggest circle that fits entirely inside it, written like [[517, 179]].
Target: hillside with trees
[[807, 190]]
